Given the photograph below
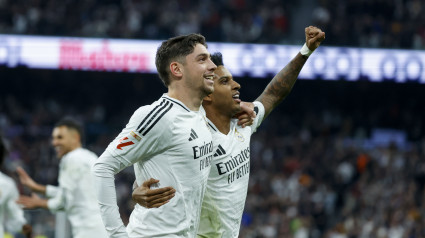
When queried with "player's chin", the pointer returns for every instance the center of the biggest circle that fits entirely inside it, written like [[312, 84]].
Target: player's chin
[[209, 89], [59, 153]]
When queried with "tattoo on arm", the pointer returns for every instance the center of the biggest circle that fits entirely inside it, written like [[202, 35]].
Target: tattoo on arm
[[281, 85]]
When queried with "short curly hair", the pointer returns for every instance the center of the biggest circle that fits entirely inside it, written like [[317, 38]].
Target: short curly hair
[[217, 59]]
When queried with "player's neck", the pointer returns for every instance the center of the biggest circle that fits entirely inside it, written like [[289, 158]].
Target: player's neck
[[189, 98], [220, 120], [78, 146]]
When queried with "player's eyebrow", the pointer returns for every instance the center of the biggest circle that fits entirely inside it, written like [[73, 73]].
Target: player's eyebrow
[[203, 55], [225, 77]]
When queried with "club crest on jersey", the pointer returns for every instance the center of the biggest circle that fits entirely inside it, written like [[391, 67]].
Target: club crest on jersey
[[239, 136]]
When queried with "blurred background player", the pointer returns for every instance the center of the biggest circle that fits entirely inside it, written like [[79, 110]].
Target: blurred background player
[[224, 200], [75, 193], [11, 214]]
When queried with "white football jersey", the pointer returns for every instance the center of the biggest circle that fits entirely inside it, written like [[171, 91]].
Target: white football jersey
[[76, 196], [168, 142], [227, 186], [11, 214]]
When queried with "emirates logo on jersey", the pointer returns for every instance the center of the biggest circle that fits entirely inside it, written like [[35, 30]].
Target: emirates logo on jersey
[[234, 161], [205, 149]]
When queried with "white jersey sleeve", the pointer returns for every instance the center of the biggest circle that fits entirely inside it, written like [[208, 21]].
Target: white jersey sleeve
[[51, 190], [10, 212], [69, 172], [259, 110], [56, 202], [141, 138], [75, 194]]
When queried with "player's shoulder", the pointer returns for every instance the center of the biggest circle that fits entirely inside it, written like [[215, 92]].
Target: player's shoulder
[[239, 129], [79, 154], [5, 178], [86, 153], [165, 107], [259, 111], [162, 113], [6, 182]]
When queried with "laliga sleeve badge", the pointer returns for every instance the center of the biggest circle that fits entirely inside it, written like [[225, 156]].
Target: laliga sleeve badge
[[126, 141]]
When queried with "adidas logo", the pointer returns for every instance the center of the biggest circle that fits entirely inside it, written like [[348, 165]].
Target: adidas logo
[[219, 151], [193, 135]]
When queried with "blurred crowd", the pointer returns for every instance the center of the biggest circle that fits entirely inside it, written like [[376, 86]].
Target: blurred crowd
[[376, 23], [318, 168], [364, 23]]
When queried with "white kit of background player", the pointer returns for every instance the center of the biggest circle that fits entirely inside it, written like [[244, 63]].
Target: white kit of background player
[[75, 194], [10, 213]]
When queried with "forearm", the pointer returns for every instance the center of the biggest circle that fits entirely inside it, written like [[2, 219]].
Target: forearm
[[281, 85], [39, 188], [43, 203], [103, 174]]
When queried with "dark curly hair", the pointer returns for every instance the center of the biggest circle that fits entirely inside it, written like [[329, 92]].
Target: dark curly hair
[[217, 59]]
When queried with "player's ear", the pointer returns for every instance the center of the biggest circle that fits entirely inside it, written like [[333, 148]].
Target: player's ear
[[76, 138], [176, 69]]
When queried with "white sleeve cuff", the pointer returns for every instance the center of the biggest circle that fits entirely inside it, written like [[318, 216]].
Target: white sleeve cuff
[[51, 191]]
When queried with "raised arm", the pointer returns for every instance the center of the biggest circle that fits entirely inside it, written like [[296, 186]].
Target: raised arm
[[27, 181], [281, 85]]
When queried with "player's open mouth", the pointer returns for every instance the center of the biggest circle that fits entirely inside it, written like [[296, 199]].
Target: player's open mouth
[[236, 98]]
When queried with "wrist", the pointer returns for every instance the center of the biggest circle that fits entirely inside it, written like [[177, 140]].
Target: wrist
[[38, 188], [306, 51], [43, 203]]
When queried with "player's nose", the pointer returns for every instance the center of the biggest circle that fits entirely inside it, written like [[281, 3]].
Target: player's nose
[[211, 65], [236, 85]]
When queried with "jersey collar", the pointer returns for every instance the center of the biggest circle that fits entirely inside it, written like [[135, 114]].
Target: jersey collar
[[175, 101]]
